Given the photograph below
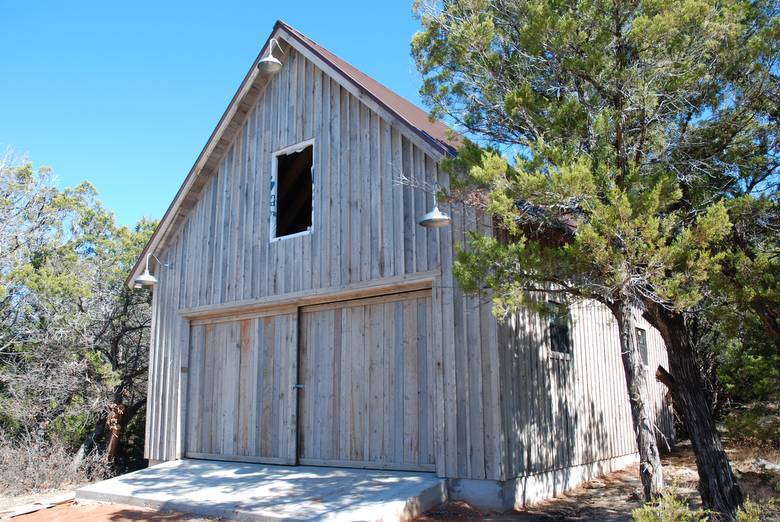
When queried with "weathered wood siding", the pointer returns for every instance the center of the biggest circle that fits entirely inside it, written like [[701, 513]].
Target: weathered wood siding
[[469, 438], [364, 231], [367, 371], [241, 404], [565, 410], [363, 225]]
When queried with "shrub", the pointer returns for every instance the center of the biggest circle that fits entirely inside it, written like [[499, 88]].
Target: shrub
[[755, 423], [669, 507], [749, 512], [33, 465]]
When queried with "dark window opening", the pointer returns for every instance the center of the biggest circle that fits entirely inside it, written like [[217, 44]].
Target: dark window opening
[[293, 192], [560, 327], [641, 343]]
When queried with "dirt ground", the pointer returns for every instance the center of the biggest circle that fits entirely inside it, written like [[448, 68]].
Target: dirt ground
[[613, 497], [608, 499], [73, 512]]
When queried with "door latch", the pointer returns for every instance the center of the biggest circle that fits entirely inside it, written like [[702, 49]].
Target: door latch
[[297, 386]]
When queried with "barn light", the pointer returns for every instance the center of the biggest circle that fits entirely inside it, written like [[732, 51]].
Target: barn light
[[435, 218], [147, 280], [270, 65]]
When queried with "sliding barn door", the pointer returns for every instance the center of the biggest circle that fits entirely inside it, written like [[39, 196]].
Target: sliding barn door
[[241, 396], [366, 368]]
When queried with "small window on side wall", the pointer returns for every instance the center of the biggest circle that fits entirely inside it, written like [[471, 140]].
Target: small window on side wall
[[641, 344], [560, 328], [291, 192]]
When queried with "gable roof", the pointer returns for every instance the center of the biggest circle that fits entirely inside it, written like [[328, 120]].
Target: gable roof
[[440, 139], [433, 131]]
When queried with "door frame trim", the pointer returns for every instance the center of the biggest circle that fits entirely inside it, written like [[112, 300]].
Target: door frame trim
[[366, 464], [239, 458], [363, 301], [272, 305]]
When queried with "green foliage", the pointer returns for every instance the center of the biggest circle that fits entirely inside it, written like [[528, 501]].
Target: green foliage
[[746, 316], [74, 338], [626, 149], [752, 512], [628, 152], [749, 366], [620, 234], [669, 507], [72, 425], [757, 423]]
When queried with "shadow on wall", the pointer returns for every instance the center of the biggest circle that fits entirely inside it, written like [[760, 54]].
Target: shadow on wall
[[568, 413]]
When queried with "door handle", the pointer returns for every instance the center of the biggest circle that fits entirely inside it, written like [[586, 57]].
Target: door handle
[[297, 386]]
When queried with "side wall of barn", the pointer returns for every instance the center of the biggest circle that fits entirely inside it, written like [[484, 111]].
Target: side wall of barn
[[567, 416]]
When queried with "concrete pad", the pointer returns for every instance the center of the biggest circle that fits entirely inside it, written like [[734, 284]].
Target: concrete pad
[[260, 492]]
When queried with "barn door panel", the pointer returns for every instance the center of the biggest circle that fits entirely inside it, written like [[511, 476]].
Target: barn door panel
[[367, 399], [241, 402]]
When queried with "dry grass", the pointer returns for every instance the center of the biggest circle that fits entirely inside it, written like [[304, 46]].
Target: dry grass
[[34, 466]]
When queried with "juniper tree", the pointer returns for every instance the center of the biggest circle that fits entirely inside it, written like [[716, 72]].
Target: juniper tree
[[73, 337], [610, 132]]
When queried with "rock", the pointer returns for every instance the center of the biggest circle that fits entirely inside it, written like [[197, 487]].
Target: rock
[[764, 466], [594, 484]]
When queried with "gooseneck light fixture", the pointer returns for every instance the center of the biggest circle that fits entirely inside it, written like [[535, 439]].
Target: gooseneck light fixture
[[147, 280], [435, 218], [270, 65]]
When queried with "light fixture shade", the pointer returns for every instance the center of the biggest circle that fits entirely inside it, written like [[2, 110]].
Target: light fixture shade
[[145, 280], [435, 219], [269, 64]]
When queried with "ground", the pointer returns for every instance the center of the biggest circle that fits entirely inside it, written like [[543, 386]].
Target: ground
[[72, 512], [611, 498]]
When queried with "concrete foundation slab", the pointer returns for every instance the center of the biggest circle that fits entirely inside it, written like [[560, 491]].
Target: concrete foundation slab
[[520, 492], [260, 492]]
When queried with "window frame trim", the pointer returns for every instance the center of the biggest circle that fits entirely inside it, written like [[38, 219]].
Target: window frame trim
[[637, 328], [272, 208], [555, 354]]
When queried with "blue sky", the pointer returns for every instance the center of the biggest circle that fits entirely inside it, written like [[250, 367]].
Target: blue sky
[[126, 93]]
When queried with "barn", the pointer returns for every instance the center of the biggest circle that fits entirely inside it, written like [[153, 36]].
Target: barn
[[302, 316]]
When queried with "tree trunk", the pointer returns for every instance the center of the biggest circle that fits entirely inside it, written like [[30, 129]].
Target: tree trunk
[[650, 471], [88, 443], [116, 424], [769, 315], [717, 485]]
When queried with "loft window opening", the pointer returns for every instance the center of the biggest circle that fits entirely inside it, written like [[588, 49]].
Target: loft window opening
[[641, 343], [560, 327], [291, 202]]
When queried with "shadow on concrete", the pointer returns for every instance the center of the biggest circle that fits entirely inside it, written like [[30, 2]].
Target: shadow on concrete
[[227, 489]]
